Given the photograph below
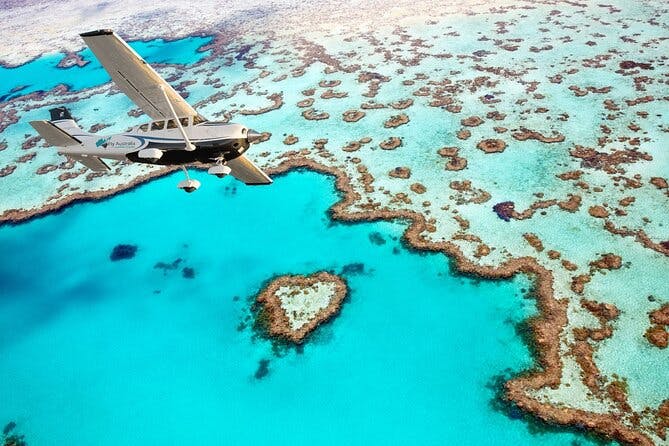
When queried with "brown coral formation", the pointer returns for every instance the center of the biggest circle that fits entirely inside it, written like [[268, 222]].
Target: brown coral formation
[[396, 121], [400, 172], [491, 145], [313, 115], [43, 170], [609, 162], [660, 316], [7, 170], [659, 182], [448, 151], [277, 103], [290, 140], [657, 333], [353, 115], [630, 64], [401, 105], [657, 336], [578, 283], [534, 241], [273, 316], [571, 175], [352, 146], [72, 59], [524, 134], [418, 188], [330, 94], [607, 261], [308, 102], [472, 121], [391, 143], [571, 204], [456, 163], [329, 84], [640, 236], [598, 211], [466, 193], [605, 313], [463, 134]]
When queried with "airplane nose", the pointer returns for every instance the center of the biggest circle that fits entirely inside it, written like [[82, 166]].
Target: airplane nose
[[252, 136]]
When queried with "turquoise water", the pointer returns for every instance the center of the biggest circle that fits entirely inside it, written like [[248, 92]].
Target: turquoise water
[[101, 352], [43, 73]]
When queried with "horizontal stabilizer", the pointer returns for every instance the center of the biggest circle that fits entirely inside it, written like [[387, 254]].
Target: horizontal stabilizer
[[92, 162], [53, 135], [244, 170]]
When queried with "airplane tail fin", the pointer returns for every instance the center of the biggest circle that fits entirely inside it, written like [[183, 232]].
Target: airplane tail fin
[[61, 118], [59, 131]]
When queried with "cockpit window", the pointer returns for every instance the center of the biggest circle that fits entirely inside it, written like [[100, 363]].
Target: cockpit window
[[171, 124], [198, 120], [184, 122], [144, 127], [158, 125]]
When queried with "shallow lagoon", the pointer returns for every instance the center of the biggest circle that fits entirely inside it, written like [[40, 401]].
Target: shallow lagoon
[[101, 352]]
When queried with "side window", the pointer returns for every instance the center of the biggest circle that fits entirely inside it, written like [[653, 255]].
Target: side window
[[184, 122], [198, 120], [158, 125], [171, 124], [144, 127]]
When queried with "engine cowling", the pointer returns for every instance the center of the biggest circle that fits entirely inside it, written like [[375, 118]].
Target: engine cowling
[[220, 170], [151, 155]]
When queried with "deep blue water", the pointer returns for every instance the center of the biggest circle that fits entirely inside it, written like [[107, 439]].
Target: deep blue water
[[43, 73], [101, 352]]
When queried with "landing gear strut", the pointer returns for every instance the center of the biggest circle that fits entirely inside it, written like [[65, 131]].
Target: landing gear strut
[[188, 185]]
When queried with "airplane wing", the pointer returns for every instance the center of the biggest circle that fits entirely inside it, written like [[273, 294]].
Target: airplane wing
[[92, 162], [244, 170], [135, 77]]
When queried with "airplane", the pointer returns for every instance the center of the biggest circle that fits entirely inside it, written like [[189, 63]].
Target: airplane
[[177, 135]]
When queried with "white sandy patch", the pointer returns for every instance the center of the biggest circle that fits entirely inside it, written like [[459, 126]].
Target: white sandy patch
[[303, 304]]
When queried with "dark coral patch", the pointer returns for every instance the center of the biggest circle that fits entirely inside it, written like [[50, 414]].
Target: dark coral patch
[[630, 64], [168, 266], [376, 238], [123, 252], [188, 273], [353, 268], [492, 145], [263, 369], [504, 210]]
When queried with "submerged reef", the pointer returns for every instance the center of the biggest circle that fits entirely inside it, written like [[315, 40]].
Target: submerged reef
[[10, 437], [263, 369], [657, 334], [293, 306], [123, 252]]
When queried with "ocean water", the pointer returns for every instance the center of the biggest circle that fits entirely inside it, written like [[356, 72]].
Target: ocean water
[[43, 73], [101, 352]]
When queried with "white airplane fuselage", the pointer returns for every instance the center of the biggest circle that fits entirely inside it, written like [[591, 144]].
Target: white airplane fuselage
[[212, 140]]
